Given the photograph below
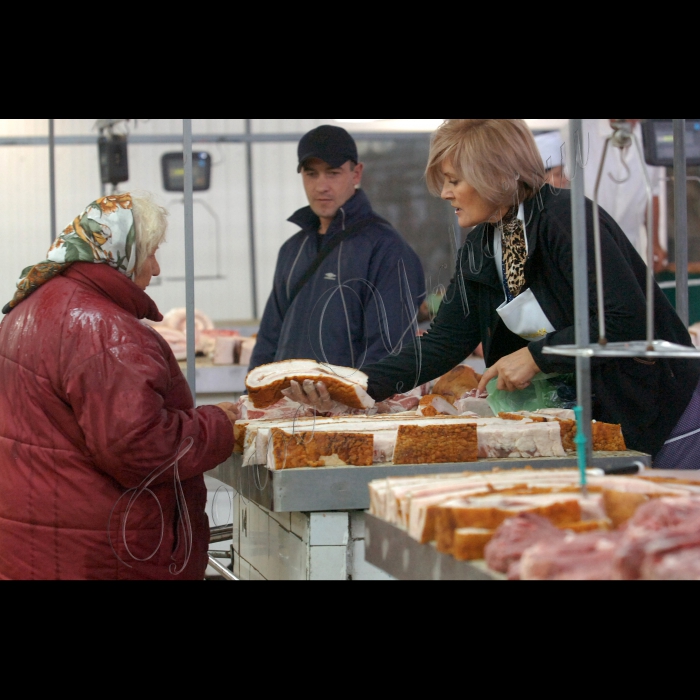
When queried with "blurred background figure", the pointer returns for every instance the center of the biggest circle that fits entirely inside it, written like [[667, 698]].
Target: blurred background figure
[[553, 149], [623, 188]]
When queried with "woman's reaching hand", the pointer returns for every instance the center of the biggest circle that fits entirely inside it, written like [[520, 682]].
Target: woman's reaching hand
[[515, 372], [232, 410]]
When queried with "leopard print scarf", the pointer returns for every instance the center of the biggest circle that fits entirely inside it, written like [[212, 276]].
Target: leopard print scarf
[[514, 254]]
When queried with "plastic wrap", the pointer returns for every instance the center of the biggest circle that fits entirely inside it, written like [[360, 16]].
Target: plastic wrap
[[545, 391]]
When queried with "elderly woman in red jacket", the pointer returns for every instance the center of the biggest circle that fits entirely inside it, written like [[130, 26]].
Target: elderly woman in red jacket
[[102, 452]]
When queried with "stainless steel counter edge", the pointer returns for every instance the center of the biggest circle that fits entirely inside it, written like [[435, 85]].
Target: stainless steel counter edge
[[345, 488], [400, 556]]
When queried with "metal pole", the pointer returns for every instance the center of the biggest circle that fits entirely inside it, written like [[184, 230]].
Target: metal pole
[[189, 255], [681, 216], [221, 570], [52, 177], [251, 218], [581, 296]]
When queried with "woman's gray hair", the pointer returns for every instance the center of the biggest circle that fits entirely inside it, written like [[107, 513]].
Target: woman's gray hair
[[151, 224]]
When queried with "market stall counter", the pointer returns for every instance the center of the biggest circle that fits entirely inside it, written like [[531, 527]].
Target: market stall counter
[[309, 524], [537, 526]]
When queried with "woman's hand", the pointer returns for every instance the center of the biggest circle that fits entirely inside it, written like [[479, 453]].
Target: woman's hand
[[232, 410], [313, 394], [514, 372]]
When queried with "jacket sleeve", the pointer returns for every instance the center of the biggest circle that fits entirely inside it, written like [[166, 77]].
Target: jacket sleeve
[[454, 335], [273, 319], [118, 398], [625, 299], [395, 292]]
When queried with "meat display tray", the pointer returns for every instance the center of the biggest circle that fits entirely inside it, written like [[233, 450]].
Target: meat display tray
[[400, 556], [346, 488]]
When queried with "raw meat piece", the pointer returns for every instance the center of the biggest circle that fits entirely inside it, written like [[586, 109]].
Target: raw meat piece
[[255, 446], [479, 407], [522, 416], [321, 450], [470, 543], [177, 319], [576, 558], [457, 383], [557, 413], [401, 403], [345, 385], [491, 512], [516, 536], [665, 513], [681, 564], [433, 405], [623, 497], [443, 443], [654, 521], [606, 437], [225, 350], [206, 340], [244, 351], [384, 446], [510, 439]]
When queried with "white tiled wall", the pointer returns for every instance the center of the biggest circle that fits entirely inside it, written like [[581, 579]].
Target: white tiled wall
[[300, 546]]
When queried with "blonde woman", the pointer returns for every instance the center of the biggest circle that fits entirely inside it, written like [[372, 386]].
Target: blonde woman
[[102, 452], [513, 289]]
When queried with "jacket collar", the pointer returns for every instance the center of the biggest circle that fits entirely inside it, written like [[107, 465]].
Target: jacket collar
[[354, 210], [116, 287], [478, 263]]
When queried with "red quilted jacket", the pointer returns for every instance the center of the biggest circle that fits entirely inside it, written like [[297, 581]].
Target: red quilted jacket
[[92, 403]]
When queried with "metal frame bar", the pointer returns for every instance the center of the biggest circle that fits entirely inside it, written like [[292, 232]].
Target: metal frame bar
[[680, 194], [189, 255], [52, 177], [251, 218], [581, 292], [153, 139]]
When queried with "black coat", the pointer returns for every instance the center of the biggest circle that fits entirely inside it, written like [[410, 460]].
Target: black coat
[[360, 305], [646, 398]]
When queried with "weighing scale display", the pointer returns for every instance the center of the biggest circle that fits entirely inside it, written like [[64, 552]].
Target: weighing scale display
[[174, 172], [658, 142]]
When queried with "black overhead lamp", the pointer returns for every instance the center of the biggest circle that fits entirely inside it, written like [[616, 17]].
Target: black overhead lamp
[[114, 157]]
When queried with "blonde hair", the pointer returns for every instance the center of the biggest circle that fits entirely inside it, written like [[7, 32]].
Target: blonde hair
[[497, 157], [151, 224]]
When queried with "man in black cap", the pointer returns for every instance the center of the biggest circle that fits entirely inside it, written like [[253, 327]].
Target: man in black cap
[[347, 286]]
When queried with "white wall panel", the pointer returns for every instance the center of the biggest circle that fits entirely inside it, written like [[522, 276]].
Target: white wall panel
[[25, 216]]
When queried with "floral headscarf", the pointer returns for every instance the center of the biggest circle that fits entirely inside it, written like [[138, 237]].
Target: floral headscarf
[[103, 233]]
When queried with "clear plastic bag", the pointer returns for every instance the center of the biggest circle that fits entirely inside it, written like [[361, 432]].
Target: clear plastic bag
[[546, 391]]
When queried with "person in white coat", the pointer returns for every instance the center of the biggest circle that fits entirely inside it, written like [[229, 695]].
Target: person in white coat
[[553, 151], [623, 188]]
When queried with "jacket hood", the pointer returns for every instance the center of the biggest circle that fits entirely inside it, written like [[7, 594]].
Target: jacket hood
[[355, 209]]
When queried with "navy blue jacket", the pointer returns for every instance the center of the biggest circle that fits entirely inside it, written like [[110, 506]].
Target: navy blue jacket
[[358, 308]]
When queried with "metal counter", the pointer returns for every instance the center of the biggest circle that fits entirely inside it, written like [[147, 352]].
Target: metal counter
[[394, 552], [345, 488]]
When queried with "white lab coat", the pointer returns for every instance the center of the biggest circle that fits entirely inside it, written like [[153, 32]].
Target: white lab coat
[[626, 202]]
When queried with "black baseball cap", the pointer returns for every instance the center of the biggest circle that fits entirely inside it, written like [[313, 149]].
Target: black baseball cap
[[331, 144]]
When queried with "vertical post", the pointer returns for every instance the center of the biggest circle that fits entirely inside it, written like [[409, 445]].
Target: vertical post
[[251, 217], [681, 216], [189, 255], [577, 149], [52, 177]]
